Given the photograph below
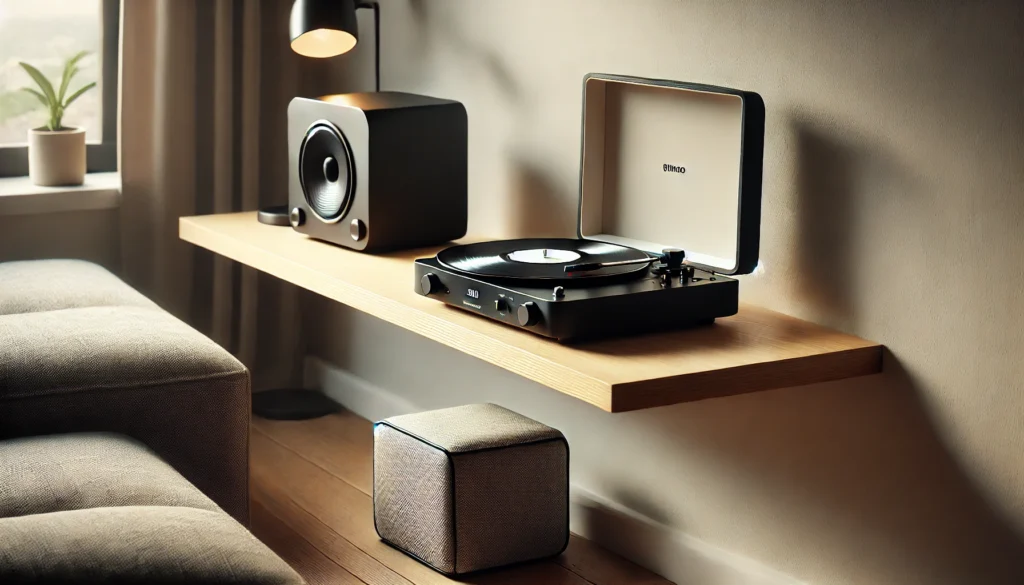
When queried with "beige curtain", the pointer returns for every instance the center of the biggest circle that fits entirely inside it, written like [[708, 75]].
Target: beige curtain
[[205, 88]]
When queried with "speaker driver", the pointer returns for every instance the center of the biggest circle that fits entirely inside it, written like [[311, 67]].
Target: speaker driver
[[326, 171]]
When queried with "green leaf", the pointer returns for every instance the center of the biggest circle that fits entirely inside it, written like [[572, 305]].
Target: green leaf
[[78, 93], [39, 96], [65, 82], [41, 81], [70, 70], [58, 119]]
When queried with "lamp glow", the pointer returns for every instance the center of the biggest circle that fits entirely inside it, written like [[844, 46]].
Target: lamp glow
[[323, 42], [328, 28]]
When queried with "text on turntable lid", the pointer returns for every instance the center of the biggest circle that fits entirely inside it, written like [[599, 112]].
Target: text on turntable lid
[[670, 164]]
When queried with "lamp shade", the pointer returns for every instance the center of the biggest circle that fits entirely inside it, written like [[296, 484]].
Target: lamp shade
[[323, 28]]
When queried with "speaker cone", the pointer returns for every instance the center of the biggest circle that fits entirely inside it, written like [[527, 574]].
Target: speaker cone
[[326, 171]]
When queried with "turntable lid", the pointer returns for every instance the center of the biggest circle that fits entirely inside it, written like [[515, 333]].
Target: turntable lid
[[670, 164]]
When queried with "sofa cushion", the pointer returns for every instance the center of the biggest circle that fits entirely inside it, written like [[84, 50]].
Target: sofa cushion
[[135, 544], [88, 470], [77, 350], [47, 285], [135, 371]]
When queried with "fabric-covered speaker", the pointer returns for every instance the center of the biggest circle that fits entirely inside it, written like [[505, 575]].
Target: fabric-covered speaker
[[378, 171], [472, 487]]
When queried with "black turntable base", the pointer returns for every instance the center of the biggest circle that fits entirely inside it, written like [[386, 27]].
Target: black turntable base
[[576, 289]]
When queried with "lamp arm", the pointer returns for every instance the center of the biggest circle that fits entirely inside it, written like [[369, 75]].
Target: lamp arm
[[376, 36]]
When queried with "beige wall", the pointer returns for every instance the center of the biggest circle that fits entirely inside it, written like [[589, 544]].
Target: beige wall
[[87, 235], [893, 209]]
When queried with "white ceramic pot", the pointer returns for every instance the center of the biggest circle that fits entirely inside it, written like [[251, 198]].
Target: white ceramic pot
[[56, 158]]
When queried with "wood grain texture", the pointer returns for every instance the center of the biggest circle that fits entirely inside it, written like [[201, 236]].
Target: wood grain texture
[[313, 474], [332, 545], [755, 350], [310, 563]]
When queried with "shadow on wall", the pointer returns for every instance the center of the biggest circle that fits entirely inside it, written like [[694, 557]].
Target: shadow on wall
[[844, 182], [480, 56], [826, 214], [538, 209], [859, 467]]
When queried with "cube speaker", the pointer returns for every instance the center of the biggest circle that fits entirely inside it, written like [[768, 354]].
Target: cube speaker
[[470, 488], [378, 171]]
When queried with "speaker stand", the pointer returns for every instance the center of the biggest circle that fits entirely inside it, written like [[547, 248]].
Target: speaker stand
[[292, 404]]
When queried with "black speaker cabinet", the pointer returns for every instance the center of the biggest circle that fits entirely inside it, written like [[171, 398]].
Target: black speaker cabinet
[[378, 171]]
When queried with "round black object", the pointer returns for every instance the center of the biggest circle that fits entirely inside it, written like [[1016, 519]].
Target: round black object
[[430, 284], [331, 170], [292, 404], [326, 171], [542, 259], [274, 215], [528, 314]]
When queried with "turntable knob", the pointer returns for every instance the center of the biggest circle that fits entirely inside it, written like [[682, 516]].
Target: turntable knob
[[528, 314], [430, 284], [673, 257]]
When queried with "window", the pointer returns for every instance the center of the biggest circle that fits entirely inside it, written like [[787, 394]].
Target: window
[[45, 33]]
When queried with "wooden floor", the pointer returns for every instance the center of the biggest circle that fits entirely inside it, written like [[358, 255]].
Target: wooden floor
[[311, 503]]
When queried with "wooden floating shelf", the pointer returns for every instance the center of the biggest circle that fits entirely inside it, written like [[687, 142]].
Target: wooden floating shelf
[[755, 350]]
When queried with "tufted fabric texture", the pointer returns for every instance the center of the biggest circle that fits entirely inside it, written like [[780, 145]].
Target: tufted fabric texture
[[472, 427], [412, 497], [517, 496], [77, 471], [98, 507], [126, 367], [45, 285], [472, 487], [136, 544]]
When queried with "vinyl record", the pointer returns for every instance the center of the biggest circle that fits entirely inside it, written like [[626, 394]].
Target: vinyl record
[[541, 259]]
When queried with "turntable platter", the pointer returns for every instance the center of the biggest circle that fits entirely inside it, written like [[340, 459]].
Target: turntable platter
[[542, 259]]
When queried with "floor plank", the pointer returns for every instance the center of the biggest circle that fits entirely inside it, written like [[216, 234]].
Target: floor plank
[[329, 542], [302, 556], [338, 451], [341, 444], [601, 567]]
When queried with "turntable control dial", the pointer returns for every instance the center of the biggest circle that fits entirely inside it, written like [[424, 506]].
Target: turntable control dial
[[528, 314], [430, 284]]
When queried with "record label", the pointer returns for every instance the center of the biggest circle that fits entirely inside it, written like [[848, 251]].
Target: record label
[[543, 256]]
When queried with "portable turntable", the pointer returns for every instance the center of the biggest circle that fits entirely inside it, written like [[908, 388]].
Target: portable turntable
[[669, 208]]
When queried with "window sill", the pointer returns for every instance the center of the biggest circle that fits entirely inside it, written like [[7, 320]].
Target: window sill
[[18, 196]]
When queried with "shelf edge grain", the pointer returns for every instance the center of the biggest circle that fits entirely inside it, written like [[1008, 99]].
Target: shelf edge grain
[[790, 373]]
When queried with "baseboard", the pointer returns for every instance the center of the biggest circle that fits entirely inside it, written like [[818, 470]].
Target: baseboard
[[669, 552], [354, 393], [675, 555]]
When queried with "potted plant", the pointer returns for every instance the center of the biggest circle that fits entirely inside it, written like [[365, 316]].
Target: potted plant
[[56, 154]]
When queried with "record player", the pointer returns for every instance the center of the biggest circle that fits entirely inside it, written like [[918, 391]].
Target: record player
[[669, 210]]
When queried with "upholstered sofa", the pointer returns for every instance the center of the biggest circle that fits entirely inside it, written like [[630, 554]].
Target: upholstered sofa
[[123, 438]]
